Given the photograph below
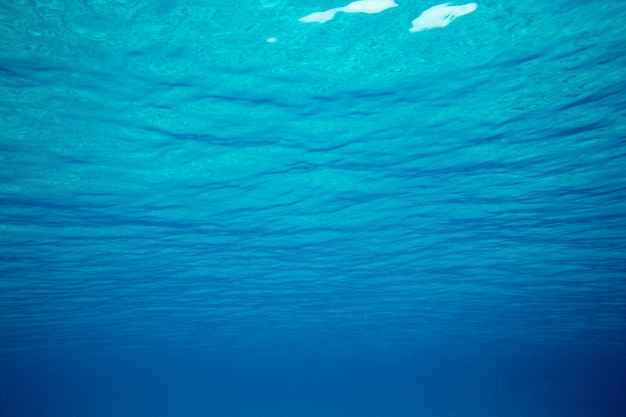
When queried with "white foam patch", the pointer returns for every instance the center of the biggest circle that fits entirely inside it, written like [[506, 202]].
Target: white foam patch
[[361, 6], [440, 16]]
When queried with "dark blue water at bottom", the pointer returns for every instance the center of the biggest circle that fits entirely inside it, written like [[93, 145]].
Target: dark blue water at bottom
[[539, 384], [217, 209]]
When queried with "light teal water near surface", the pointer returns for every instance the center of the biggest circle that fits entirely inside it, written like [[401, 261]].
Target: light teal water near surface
[[207, 182]]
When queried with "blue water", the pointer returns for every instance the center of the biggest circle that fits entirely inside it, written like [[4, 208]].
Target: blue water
[[210, 208]]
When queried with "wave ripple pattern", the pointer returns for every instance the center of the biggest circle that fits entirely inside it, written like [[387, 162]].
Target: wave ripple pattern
[[171, 178]]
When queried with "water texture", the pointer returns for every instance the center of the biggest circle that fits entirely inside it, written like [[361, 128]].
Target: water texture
[[249, 198]]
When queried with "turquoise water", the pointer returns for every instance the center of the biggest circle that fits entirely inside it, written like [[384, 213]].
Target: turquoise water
[[215, 209]]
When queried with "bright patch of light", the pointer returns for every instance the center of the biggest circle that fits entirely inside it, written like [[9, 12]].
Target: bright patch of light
[[361, 6], [440, 16]]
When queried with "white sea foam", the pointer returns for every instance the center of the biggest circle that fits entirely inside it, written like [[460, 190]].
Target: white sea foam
[[361, 6], [440, 16]]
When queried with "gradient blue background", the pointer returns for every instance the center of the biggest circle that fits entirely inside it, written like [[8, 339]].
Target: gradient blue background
[[354, 220]]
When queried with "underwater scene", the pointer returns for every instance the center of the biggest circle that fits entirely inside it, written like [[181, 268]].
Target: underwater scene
[[313, 208]]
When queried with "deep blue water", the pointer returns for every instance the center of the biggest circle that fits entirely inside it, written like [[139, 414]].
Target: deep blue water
[[210, 208]]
